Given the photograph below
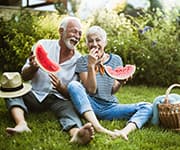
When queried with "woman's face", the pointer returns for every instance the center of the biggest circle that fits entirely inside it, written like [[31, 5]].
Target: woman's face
[[95, 41]]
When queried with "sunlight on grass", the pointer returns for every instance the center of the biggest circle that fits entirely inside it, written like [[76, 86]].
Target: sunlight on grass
[[47, 134]]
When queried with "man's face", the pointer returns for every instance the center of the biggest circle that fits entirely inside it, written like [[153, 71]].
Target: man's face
[[96, 41], [72, 34]]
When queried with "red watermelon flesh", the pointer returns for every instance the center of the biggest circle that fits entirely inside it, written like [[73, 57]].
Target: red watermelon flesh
[[44, 61], [120, 72]]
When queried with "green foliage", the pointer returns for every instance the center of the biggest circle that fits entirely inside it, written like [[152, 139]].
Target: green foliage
[[150, 41], [18, 35], [46, 26]]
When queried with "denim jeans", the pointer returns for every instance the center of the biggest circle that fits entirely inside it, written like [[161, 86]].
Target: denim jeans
[[63, 109], [139, 113]]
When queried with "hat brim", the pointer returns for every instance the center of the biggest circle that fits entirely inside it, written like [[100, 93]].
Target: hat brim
[[26, 88]]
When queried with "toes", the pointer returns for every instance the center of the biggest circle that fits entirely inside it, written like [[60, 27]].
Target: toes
[[84, 135], [119, 133], [90, 128], [10, 131]]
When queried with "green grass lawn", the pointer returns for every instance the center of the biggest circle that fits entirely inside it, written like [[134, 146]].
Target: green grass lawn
[[47, 134]]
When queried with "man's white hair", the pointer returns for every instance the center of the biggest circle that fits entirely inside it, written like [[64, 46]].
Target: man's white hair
[[97, 30], [65, 21]]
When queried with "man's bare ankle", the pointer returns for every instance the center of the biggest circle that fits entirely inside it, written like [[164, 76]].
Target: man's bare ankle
[[22, 123]]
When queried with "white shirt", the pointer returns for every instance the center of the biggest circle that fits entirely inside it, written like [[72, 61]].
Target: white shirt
[[41, 85]]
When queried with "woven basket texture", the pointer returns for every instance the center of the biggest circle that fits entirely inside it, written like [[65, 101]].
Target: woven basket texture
[[169, 114]]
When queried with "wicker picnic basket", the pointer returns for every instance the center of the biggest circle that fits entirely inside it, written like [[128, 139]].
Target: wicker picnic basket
[[169, 114]]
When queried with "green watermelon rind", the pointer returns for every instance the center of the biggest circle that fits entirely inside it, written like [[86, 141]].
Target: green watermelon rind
[[110, 72], [50, 66]]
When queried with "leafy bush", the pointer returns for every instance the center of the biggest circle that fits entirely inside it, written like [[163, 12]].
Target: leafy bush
[[18, 35], [150, 41]]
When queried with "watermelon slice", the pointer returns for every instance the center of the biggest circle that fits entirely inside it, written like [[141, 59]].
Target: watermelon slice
[[120, 72], [41, 57]]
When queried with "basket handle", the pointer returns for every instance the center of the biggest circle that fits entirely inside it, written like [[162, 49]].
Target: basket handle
[[166, 101]]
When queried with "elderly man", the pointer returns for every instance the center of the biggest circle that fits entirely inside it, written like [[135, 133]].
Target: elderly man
[[49, 90]]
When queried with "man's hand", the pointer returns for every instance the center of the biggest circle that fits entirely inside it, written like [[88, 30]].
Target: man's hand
[[58, 85], [55, 81], [33, 62], [28, 72]]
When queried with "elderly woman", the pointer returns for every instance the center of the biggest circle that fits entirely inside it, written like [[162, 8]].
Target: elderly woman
[[96, 93]]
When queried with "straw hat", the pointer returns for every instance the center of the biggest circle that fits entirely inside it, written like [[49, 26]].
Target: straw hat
[[11, 85]]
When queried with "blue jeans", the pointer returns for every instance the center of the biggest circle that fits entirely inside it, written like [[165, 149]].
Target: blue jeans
[[139, 113]]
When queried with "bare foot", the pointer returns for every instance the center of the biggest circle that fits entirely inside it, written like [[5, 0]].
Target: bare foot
[[121, 134], [111, 133], [101, 129], [84, 135], [18, 129]]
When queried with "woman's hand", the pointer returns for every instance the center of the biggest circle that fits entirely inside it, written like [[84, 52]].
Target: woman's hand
[[93, 57], [125, 80]]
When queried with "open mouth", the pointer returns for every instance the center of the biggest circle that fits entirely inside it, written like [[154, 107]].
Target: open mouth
[[73, 41]]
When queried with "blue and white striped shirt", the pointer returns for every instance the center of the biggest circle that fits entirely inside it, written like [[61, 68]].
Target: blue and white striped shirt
[[104, 82]]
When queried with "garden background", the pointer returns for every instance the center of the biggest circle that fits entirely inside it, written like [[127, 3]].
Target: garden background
[[150, 41]]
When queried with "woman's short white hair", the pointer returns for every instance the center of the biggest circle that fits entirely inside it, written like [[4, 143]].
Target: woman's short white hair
[[97, 30], [65, 21]]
